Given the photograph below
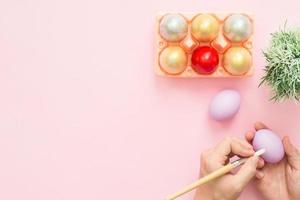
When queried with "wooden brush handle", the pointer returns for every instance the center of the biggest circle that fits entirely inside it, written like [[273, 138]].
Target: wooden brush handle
[[205, 179], [219, 172]]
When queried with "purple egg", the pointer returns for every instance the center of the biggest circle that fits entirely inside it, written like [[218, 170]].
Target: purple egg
[[271, 142], [225, 105]]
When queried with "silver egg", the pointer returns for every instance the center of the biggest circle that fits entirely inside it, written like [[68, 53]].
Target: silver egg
[[173, 27], [237, 28]]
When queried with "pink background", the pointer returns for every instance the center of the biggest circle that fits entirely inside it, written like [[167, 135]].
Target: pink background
[[82, 115]]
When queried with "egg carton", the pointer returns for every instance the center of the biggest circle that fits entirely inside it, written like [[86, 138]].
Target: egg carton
[[222, 42]]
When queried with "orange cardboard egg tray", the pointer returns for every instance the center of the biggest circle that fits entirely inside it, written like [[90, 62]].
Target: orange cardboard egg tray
[[220, 43]]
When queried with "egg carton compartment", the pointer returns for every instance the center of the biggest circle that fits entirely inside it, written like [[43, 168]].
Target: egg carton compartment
[[204, 45]]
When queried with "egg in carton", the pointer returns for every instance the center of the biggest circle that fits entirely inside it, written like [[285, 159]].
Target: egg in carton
[[204, 45]]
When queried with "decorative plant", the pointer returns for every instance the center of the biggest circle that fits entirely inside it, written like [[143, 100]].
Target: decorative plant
[[282, 71]]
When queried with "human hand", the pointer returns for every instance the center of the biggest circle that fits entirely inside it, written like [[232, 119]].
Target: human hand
[[229, 186], [280, 180]]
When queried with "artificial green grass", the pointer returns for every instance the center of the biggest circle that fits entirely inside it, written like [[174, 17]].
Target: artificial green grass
[[282, 71]]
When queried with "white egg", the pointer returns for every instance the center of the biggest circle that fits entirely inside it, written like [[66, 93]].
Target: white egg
[[225, 105]]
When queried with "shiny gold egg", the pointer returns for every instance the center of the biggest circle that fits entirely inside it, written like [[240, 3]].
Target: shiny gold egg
[[205, 27], [173, 60], [237, 60]]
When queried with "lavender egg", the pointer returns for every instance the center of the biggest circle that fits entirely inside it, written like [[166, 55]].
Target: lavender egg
[[271, 142], [225, 105]]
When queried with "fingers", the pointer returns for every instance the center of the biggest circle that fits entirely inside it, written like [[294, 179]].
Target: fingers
[[234, 145], [292, 153], [249, 136], [247, 171], [259, 174], [219, 156], [261, 163], [259, 125]]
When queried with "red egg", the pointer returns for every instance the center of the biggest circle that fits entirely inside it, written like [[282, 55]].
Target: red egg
[[205, 60]]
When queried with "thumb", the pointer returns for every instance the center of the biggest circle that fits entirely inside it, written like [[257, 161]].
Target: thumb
[[247, 171], [292, 153]]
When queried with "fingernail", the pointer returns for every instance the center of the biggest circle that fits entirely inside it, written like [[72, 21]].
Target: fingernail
[[285, 137], [260, 175], [261, 160]]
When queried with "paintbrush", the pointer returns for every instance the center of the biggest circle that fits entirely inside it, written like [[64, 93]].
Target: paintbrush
[[219, 172]]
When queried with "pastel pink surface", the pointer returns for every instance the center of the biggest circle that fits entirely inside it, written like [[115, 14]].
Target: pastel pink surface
[[84, 117]]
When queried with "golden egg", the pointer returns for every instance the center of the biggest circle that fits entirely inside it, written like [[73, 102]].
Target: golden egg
[[205, 27], [237, 60], [173, 60]]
